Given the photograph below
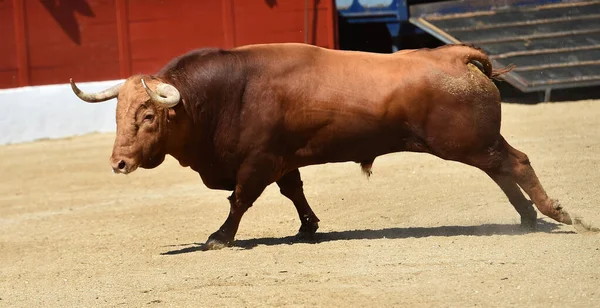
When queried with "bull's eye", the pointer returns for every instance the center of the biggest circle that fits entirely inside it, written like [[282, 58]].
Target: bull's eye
[[148, 117]]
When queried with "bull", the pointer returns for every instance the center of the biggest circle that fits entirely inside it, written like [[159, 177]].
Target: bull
[[246, 117]]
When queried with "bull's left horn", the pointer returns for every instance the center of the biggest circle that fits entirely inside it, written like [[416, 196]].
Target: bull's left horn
[[102, 96], [165, 94]]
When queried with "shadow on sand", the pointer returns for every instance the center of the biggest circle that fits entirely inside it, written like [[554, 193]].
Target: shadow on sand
[[390, 233]]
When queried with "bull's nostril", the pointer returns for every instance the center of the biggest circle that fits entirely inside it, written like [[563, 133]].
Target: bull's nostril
[[121, 165]]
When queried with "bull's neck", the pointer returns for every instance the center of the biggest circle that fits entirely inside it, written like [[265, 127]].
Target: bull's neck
[[209, 103], [182, 138]]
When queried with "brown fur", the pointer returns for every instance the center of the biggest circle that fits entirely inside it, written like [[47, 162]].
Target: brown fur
[[253, 115]]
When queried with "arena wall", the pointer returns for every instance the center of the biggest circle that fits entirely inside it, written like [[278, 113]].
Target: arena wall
[[53, 111]]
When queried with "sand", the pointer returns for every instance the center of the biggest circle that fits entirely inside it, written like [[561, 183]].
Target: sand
[[420, 232]]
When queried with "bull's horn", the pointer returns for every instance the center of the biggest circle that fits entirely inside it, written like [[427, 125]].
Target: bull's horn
[[105, 95], [165, 94]]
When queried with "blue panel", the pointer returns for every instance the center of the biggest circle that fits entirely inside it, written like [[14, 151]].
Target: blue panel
[[343, 4], [373, 10], [374, 4]]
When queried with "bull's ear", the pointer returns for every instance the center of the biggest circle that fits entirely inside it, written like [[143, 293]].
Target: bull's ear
[[171, 114]]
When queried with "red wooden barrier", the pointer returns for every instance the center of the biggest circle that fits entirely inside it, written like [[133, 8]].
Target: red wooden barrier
[[48, 41]]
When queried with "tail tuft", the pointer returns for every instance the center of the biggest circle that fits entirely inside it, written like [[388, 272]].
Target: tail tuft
[[497, 73], [366, 168], [479, 58]]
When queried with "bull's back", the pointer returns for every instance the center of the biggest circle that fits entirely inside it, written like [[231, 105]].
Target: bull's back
[[354, 106]]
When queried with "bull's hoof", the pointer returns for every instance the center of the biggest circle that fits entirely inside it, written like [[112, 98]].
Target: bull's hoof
[[309, 227], [217, 241], [215, 245], [529, 219], [528, 224], [307, 231]]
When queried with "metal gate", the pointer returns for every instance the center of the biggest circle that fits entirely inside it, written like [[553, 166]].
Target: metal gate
[[554, 44]]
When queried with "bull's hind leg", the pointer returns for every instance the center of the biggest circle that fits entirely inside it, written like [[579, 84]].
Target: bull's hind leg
[[290, 186], [514, 165], [522, 172], [523, 206]]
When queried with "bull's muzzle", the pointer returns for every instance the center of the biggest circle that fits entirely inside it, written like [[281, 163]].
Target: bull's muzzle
[[121, 165]]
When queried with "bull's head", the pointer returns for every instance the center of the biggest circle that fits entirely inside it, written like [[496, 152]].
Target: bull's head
[[142, 114]]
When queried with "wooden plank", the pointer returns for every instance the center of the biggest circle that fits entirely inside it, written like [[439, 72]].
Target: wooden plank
[[542, 51], [433, 30], [123, 38], [282, 21], [306, 26], [161, 30], [332, 23], [75, 39], [23, 74], [468, 8], [8, 53], [228, 24]]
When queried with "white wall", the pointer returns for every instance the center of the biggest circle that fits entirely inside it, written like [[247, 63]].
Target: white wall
[[53, 111]]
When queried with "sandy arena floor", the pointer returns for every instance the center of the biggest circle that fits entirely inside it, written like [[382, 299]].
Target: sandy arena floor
[[420, 232]]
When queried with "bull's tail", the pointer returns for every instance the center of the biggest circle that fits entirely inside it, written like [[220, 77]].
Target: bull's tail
[[497, 73], [477, 57]]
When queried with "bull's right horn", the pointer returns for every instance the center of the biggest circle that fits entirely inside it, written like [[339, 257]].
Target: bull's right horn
[[102, 96], [165, 94]]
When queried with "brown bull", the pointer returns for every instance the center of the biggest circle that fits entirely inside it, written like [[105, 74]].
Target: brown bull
[[247, 117]]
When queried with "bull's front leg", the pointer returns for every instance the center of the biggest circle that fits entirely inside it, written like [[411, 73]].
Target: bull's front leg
[[250, 185], [225, 235]]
